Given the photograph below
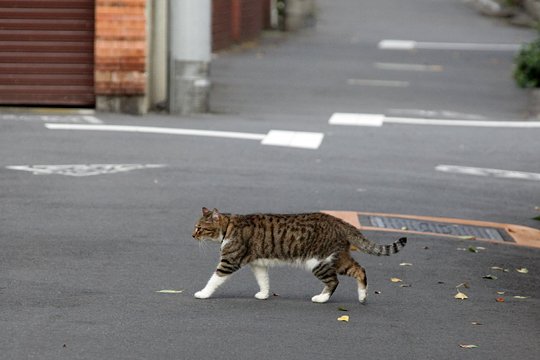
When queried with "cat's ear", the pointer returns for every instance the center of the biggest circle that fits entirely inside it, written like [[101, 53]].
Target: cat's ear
[[215, 214], [205, 211]]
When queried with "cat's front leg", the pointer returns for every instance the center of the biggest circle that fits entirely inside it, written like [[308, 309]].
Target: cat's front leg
[[214, 282], [223, 272], [261, 275]]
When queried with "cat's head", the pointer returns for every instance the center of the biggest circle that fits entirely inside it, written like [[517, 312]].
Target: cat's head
[[209, 226]]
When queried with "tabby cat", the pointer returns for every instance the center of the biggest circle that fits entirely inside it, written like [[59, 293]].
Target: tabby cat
[[318, 242]]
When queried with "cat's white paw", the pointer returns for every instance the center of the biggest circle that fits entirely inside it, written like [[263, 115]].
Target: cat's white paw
[[362, 295], [202, 294], [321, 298], [262, 295]]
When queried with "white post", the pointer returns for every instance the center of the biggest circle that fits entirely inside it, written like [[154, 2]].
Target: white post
[[190, 54]]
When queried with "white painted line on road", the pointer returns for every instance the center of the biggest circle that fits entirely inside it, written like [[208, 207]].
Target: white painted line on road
[[80, 170], [378, 83], [52, 118], [296, 139], [408, 67], [443, 114], [356, 119], [380, 120], [411, 45], [156, 130], [508, 174]]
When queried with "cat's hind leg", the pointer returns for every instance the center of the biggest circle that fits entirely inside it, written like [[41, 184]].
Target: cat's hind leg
[[326, 272], [261, 275], [346, 265]]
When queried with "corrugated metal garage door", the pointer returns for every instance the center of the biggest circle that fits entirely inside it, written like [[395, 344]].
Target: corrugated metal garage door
[[47, 52]]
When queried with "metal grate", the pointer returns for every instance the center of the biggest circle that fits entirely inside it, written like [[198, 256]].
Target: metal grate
[[436, 227]]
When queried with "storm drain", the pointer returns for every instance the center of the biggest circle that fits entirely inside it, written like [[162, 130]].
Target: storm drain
[[434, 227]]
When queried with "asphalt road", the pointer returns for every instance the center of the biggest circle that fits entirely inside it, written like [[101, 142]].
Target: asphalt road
[[82, 256]]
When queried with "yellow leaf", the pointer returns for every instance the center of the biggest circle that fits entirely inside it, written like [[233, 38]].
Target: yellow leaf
[[460, 296], [343, 318], [395, 280], [170, 291], [522, 270]]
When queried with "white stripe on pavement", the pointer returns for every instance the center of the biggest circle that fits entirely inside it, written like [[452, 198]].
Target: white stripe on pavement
[[498, 173], [379, 83], [408, 67], [380, 120], [411, 45], [296, 139]]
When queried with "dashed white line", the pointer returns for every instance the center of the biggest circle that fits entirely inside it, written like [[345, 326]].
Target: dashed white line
[[411, 45], [408, 67], [380, 119], [378, 83], [295, 139], [498, 173]]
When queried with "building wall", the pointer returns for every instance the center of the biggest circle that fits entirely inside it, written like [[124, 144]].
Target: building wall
[[120, 47], [237, 21]]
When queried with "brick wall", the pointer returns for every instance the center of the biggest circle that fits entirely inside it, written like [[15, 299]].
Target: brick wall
[[120, 47], [236, 21]]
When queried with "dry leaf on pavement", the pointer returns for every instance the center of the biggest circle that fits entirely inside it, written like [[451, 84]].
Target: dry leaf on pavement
[[460, 296], [170, 291], [468, 346], [522, 270], [395, 280], [344, 318]]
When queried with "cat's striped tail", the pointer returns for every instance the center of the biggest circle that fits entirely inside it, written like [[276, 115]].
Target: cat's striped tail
[[368, 247]]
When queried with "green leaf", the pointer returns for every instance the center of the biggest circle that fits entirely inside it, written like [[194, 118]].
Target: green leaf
[[166, 291], [341, 308], [472, 249]]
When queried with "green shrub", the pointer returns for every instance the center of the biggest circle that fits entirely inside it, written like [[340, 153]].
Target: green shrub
[[527, 72]]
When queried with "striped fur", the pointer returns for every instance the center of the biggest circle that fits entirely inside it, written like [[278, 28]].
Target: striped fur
[[318, 242]]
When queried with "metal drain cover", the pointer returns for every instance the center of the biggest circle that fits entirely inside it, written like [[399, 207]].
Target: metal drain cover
[[434, 227]]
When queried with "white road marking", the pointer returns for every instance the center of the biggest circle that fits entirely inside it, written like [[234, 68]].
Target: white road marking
[[408, 67], [373, 120], [444, 114], [79, 170], [356, 119], [411, 45], [508, 174], [296, 139], [52, 118], [378, 83]]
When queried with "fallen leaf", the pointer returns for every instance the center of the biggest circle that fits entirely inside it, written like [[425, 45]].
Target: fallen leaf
[[480, 248], [461, 249], [476, 323], [501, 292], [465, 285], [405, 264], [170, 291], [489, 276], [472, 249], [377, 292], [499, 299], [468, 237], [521, 297], [405, 285], [468, 346], [341, 308], [460, 296], [499, 268], [522, 270], [343, 318], [395, 280]]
